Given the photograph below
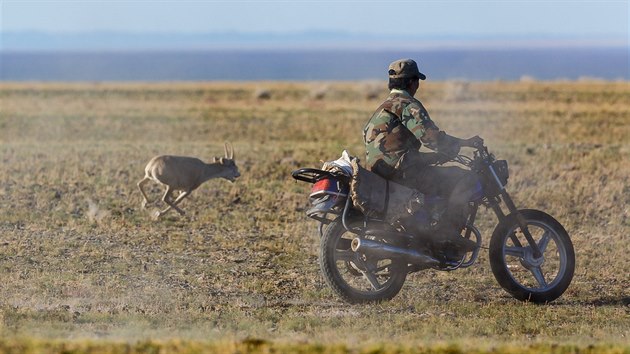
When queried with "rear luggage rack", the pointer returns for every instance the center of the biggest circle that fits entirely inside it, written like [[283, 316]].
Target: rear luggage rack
[[311, 175]]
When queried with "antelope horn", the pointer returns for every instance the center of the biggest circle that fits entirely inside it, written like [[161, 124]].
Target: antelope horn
[[229, 151]]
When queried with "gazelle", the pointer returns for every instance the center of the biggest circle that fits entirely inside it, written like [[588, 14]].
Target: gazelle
[[185, 174]]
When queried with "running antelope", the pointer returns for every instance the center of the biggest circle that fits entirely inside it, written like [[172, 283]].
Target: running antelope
[[185, 174]]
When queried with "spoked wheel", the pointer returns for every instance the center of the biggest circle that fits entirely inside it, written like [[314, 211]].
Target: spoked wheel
[[355, 277], [518, 271]]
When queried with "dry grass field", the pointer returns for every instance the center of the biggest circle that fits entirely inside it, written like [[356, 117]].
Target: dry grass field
[[84, 269]]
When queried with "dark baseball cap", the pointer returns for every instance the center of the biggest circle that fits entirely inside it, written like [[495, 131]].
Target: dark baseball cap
[[405, 68]]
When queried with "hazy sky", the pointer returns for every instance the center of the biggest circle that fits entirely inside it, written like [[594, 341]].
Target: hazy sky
[[599, 18]]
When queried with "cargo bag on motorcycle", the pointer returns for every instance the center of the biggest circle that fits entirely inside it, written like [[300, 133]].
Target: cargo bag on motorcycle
[[377, 197]]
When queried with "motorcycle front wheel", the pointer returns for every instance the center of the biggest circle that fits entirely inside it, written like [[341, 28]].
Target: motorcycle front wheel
[[518, 271], [355, 277]]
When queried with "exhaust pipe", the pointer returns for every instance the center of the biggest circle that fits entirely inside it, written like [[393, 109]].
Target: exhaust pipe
[[383, 250]]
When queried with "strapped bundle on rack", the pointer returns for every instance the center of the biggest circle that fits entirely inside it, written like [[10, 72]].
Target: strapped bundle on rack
[[377, 197]]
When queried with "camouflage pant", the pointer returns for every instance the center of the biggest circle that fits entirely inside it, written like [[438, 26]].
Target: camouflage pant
[[454, 184]]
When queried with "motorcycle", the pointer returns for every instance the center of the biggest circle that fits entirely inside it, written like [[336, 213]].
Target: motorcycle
[[367, 259]]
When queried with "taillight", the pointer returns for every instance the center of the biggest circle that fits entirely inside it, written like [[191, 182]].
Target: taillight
[[327, 195], [321, 186], [328, 186]]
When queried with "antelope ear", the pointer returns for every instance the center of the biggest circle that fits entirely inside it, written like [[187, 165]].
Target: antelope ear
[[221, 160], [214, 159]]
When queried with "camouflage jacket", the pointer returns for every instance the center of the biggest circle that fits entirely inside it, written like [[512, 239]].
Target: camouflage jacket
[[395, 128]]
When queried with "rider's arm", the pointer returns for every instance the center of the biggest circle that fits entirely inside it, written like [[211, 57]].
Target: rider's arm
[[449, 146], [417, 120], [430, 138]]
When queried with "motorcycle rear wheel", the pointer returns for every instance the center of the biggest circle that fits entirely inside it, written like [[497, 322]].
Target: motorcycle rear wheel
[[354, 277], [539, 280]]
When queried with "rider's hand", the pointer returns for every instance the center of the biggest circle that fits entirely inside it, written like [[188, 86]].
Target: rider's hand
[[475, 141]]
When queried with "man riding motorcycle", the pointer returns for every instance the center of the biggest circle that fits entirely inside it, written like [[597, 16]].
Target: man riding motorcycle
[[393, 137]]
